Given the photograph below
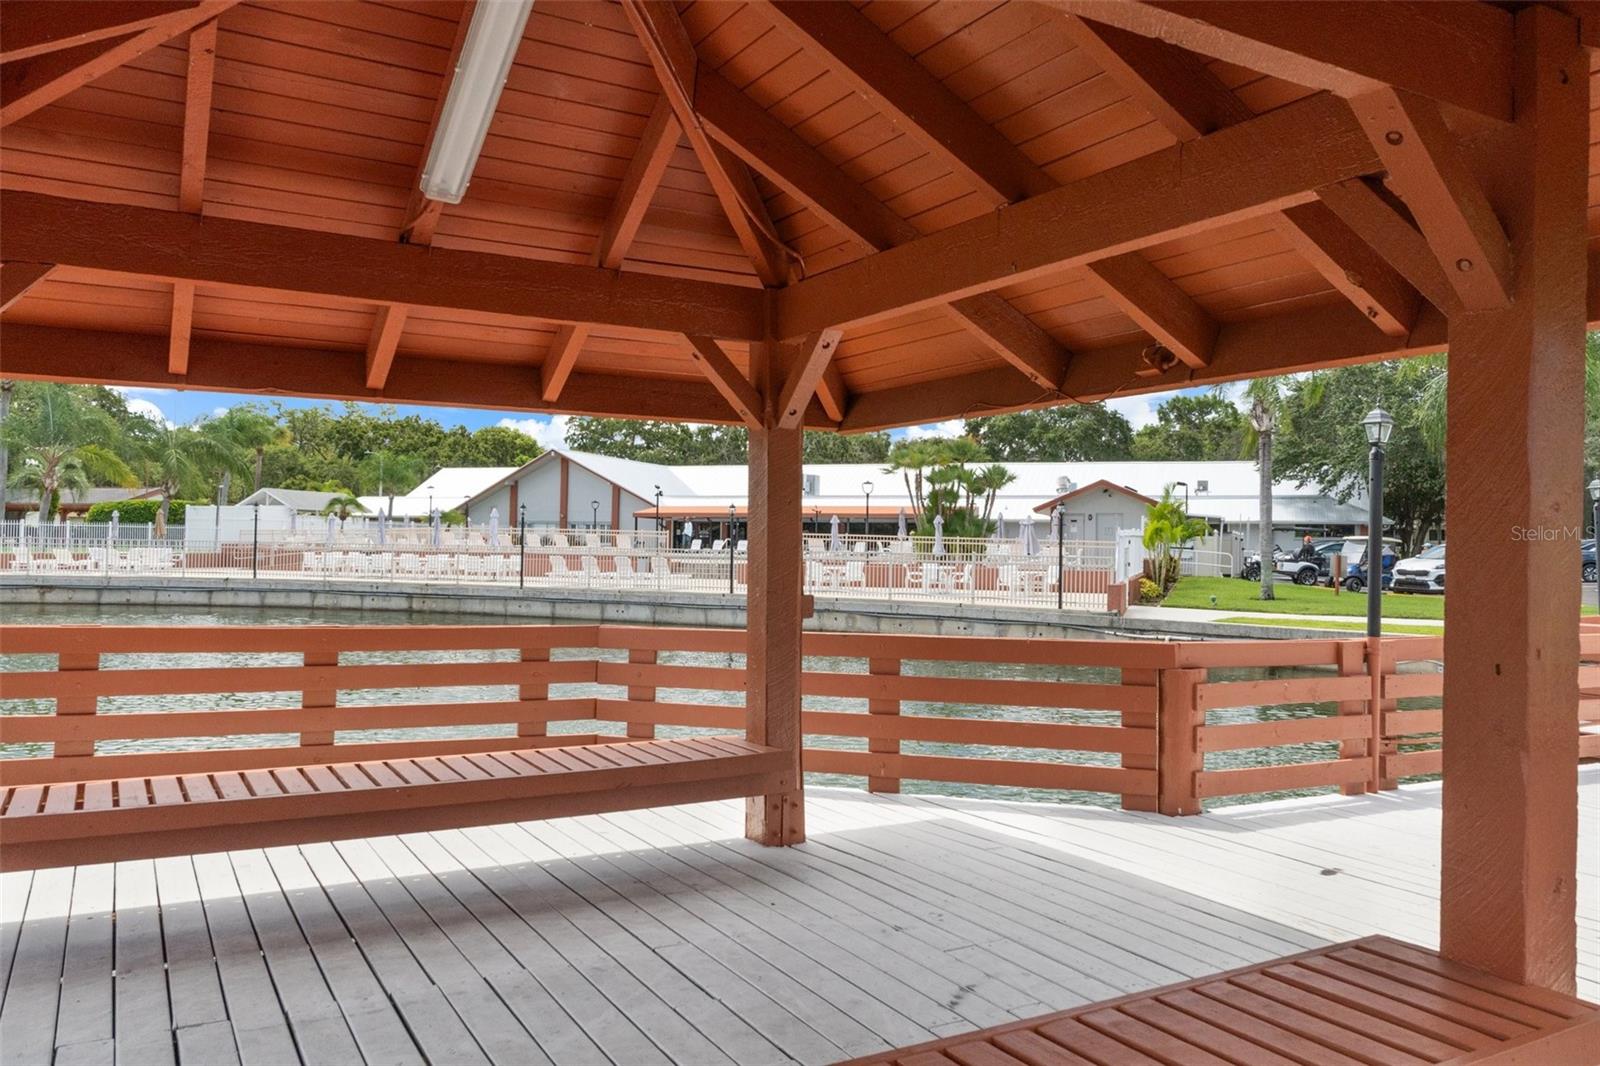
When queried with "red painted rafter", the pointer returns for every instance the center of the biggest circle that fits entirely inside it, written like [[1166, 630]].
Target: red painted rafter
[[181, 331], [387, 325], [17, 278], [197, 116], [36, 27], [727, 379], [808, 361]]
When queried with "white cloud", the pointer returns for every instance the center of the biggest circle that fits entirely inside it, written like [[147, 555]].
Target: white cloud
[[1139, 410], [149, 410], [954, 427], [549, 432]]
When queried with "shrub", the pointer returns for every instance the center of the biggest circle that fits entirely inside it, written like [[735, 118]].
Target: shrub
[[1149, 591], [139, 512]]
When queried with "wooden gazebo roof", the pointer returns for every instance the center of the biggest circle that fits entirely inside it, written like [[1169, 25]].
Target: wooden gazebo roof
[[998, 204]]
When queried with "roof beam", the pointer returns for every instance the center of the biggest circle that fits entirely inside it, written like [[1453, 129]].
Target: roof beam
[[1457, 54], [198, 84], [26, 85], [16, 278], [228, 252], [671, 52], [47, 353], [180, 333], [808, 360], [832, 393], [727, 379], [638, 187], [422, 214], [910, 96], [1375, 221], [35, 27], [387, 326], [1270, 163], [1183, 94], [1428, 170], [1155, 302], [792, 164]]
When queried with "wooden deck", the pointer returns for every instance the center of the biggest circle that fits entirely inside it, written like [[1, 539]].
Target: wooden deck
[[663, 936]]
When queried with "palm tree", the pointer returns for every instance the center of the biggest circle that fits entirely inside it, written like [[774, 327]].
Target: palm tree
[[344, 506], [1431, 409], [181, 460], [1266, 417], [387, 473], [250, 429], [1168, 525], [60, 443]]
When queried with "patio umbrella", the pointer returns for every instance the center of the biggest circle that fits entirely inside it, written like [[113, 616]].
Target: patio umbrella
[[333, 529], [438, 530], [998, 537], [900, 530], [1030, 546], [116, 524], [383, 528], [292, 515], [833, 534], [938, 534]]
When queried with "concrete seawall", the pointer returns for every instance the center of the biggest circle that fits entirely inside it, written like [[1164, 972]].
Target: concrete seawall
[[489, 603]]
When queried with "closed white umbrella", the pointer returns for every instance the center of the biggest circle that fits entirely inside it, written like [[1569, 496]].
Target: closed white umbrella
[[938, 534], [900, 530], [438, 530], [383, 528], [1030, 546], [116, 525], [494, 527], [998, 537], [333, 529], [834, 543]]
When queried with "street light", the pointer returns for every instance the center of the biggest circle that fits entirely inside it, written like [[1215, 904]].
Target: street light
[[1379, 426], [594, 514], [1594, 494], [658, 512], [522, 539], [732, 509], [866, 521]]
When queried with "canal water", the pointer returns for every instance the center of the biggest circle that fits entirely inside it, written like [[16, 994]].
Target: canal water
[[56, 615]]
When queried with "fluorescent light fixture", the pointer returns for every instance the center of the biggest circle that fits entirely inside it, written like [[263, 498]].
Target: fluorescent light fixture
[[475, 86]]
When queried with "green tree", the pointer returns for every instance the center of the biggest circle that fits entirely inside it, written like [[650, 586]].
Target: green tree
[[57, 440], [502, 446], [1265, 397], [344, 505], [387, 473], [1068, 433], [823, 447], [1167, 527], [1199, 427], [183, 460], [944, 481], [251, 429], [1325, 444]]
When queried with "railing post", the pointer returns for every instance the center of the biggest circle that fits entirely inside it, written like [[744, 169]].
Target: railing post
[[1181, 759], [75, 662], [884, 746], [1352, 657], [313, 698], [1145, 721], [1379, 666], [534, 692], [642, 694]]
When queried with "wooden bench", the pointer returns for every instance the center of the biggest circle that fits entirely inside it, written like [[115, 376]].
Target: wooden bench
[[73, 822], [1374, 1001]]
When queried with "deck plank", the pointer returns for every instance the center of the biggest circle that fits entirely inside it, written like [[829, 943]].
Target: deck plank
[[143, 1012], [192, 973], [85, 1015], [28, 1016]]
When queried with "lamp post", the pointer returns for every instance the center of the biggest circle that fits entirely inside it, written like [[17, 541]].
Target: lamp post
[[522, 539], [658, 516], [1061, 556], [255, 539], [1594, 494], [866, 521], [594, 514], [732, 509], [1379, 425]]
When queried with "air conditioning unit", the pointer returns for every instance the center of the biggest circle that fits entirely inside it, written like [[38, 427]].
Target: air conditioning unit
[[1202, 486], [1065, 485], [811, 484]]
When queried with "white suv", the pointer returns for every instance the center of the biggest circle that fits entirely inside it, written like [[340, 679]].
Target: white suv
[[1421, 573]]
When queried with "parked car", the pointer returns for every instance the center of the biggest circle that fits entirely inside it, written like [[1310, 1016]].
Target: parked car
[[1589, 571], [1309, 571], [1355, 573], [1423, 572]]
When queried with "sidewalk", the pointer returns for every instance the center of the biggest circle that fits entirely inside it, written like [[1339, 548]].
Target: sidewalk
[[1144, 612]]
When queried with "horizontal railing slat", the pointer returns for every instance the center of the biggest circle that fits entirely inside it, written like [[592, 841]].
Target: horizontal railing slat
[[1281, 778], [1292, 731], [1275, 691], [1006, 772], [31, 640]]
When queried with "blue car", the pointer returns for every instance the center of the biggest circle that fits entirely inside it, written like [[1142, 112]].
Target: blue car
[[1355, 575], [1589, 570]]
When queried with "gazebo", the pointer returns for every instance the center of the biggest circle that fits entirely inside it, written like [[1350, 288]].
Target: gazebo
[[823, 216]]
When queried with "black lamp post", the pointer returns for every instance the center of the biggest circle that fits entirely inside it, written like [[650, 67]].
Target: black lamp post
[[594, 514], [866, 521], [522, 539], [1379, 426], [1594, 494], [658, 513], [732, 509], [1061, 556]]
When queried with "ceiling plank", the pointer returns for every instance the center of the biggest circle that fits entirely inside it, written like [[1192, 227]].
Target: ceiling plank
[[727, 379], [639, 184], [198, 85], [387, 326], [422, 215], [1372, 218], [808, 360], [16, 278], [1179, 89], [35, 27], [1265, 165], [1429, 172], [181, 332], [229, 252], [778, 152], [48, 353], [1155, 302], [29, 84], [671, 53], [1458, 54], [908, 94]]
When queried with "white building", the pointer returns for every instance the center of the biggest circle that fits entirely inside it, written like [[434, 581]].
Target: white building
[[571, 489]]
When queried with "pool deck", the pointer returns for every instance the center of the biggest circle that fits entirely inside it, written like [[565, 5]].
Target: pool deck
[[663, 936]]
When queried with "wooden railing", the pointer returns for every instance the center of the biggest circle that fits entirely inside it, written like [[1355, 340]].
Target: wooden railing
[[1147, 722]]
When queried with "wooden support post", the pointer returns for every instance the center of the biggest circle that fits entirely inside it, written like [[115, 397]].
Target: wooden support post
[[1380, 667], [883, 667], [774, 604], [311, 698], [534, 692], [72, 662], [1180, 757], [1143, 720], [1516, 395], [642, 694], [1352, 656]]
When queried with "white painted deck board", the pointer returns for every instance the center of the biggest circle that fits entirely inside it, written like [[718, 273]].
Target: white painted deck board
[[663, 937]]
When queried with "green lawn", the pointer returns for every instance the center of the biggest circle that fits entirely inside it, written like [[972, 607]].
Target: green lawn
[[1233, 594], [1398, 629]]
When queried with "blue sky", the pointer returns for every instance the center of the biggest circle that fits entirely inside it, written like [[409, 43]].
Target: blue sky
[[180, 407]]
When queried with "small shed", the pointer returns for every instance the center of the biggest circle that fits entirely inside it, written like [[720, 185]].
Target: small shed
[[1098, 510]]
